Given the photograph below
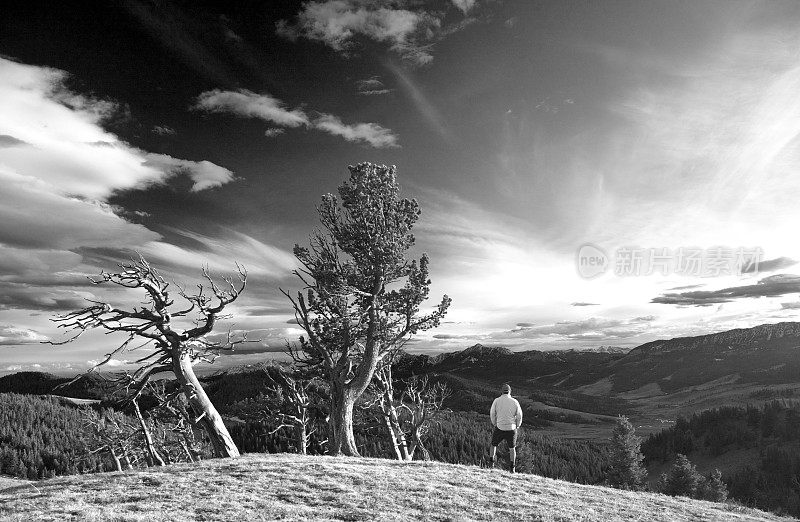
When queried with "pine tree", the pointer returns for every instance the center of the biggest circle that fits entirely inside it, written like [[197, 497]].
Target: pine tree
[[362, 297], [713, 488], [682, 479], [627, 471]]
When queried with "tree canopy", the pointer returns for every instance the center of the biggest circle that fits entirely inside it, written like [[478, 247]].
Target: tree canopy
[[362, 297]]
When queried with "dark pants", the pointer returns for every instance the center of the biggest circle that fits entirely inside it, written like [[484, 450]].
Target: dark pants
[[510, 436]]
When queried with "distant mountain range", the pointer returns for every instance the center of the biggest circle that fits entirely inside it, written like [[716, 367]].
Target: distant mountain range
[[767, 354], [90, 386], [757, 336], [607, 349]]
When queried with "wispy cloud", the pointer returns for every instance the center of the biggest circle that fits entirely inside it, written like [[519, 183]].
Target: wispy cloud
[[337, 22], [204, 174], [251, 105], [408, 29], [22, 264], [64, 154], [372, 87], [559, 335], [371, 133], [33, 297], [772, 286], [686, 287], [57, 179], [164, 130], [720, 131], [60, 367], [11, 335], [81, 221], [221, 252], [113, 363], [770, 265], [426, 110], [63, 170], [453, 337], [592, 329], [495, 270], [265, 107], [274, 131], [709, 131], [41, 279], [182, 36], [464, 5]]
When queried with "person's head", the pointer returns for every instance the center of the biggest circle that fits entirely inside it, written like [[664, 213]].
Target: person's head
[[506, 388]]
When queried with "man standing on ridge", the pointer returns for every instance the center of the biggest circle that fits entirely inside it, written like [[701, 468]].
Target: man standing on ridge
[[506, 416]]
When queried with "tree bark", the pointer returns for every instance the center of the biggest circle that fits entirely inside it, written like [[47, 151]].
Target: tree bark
[[392, 419], [186, 445], [153, 455], [426, 455], [185, 449], [126, 458], [395, 432], [341, 440], [117, 463], [393, 437], [201, 405], [302, 438], [412, 448]]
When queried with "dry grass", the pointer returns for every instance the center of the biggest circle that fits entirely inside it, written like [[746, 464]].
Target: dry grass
[[291, 487], [8, 482]]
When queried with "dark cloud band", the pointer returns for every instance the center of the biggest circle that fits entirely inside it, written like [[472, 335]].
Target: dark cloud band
[[772, 286]]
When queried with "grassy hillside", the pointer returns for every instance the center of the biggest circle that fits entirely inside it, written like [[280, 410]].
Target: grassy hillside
[[288, 486], [8, 482]]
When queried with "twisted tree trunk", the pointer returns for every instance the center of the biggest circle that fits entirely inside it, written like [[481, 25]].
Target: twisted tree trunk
[[154, 458], [426, 455], [340, 425], [302, 437], [117, 463], [205, 412], [125, 458], [393, 425]]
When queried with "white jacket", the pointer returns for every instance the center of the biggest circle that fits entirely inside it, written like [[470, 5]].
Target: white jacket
[[506, 413]]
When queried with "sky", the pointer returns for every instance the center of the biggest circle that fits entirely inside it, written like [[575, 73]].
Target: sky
[[589, 173]]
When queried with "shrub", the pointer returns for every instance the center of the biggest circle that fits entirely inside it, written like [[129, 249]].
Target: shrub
[[684, 480]]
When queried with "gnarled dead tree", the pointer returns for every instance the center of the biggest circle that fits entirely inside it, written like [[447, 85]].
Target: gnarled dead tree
[[292, 388], [110, 431], [152, 453], [175, 425], [422, 402], [384, 399], [171, 348], [409, 414]]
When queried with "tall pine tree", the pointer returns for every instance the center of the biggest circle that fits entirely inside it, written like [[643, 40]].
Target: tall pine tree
[[627, 471]]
